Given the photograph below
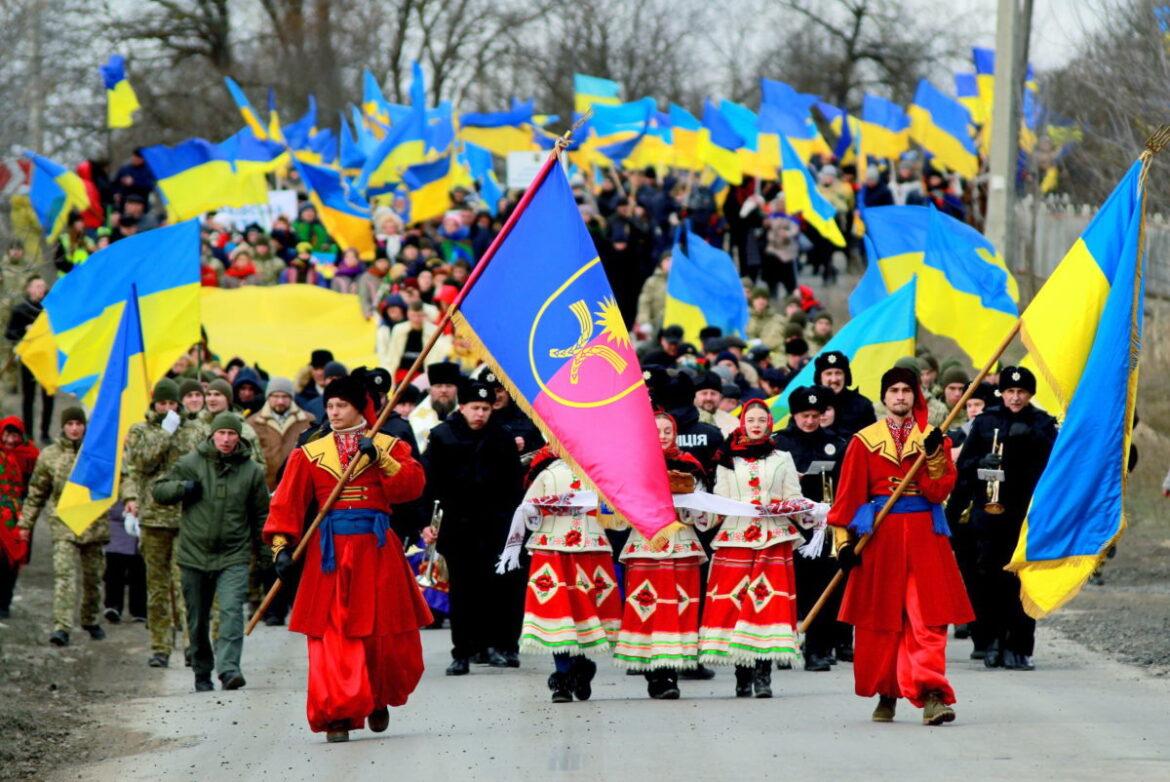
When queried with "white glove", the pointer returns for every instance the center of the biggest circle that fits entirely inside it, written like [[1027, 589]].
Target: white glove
[[171, 422], [130, 524]]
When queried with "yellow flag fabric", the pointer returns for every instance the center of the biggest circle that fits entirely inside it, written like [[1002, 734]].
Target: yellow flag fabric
[[277, 327]]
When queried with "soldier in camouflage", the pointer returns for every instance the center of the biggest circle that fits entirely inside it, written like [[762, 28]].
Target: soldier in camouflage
[[72, 552], [151, 450], [195, 428]]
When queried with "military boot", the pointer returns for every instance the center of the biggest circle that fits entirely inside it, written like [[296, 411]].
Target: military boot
[[95, 632], [884, 712], [743, 681], [762, 679], [935, 712], [59, 638]]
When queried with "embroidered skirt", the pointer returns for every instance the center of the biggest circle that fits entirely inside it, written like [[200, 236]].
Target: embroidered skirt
[[571, 604], [751, 607], [660, 620]]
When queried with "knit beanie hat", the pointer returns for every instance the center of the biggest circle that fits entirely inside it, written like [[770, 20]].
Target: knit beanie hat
[[165, 390], [74, 413], [190, 386], [227, 420]]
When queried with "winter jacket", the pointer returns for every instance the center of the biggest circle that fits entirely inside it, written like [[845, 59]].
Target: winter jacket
[[221, 522], [278, 437], [48, 481]]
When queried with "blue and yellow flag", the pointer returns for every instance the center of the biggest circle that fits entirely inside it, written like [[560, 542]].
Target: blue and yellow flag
[[960, 294], [943, 127], [196, 176], [479, 165], [1083, 332], [967, 93], [345, 217], [723, 144], [298, 133], [83, 309], [885, 126], [374, 103], [689, 139], [123, 392], [403, 146], [703, 289], [541, 307], [589, 91], [802, 197], [121, 100], [873, 341], [251, 118], [500, 132], [54, 191], [430, 186]]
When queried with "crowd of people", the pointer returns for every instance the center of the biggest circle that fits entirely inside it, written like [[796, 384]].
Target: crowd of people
[[222, 477]]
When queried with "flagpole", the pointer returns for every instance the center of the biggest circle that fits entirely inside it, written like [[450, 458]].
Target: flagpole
[[913, 471], [416, 367]]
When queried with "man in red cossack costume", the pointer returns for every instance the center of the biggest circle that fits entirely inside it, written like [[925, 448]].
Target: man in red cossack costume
[[905, 587], [358, 602]]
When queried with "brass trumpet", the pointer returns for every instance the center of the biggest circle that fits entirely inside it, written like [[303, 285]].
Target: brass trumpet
[[427, 575], [994, 506]]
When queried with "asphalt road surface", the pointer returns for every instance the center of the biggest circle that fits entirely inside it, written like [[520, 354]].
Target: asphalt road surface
[[1076, 717]]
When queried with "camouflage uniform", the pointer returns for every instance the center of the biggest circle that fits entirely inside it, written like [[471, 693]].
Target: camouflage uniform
[[150, 452], [72, 553]]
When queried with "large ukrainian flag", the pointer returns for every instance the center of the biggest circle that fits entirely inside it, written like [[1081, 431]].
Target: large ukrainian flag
[[196, 176], [54, 192], [84, 309], [345, 217], [873, 341], [723, 145], [589, 91], [943, 127], [123, 392], [430, 186], [885, 126], [703, 289], [801, 196], [1083, 332]]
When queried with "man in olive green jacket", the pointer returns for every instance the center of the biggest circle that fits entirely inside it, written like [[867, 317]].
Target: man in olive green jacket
[[224, 506]]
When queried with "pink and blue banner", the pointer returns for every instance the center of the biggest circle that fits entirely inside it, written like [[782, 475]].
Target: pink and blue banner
[[542, 308]]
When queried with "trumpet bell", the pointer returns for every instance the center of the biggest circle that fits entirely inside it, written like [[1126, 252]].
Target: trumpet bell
[[993, 508]]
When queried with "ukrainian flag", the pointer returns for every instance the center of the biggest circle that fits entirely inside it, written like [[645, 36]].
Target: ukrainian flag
[[298, 133], [430, 187], [943, 128], [121, 101], [589, 91], [895, 247], [758, 157], [197, 176], [403, 146], [83, 309], [500, 132], [885, 126], [960, 295], [122, 394], [703, 289], [1083, 333], [479, 165], [345, 218], [54, 191], [251, 118], [786, 112], [688, 138], [801, 196], [873, 341], [723, 144], [351, 156], [374, 103], [967, 92]]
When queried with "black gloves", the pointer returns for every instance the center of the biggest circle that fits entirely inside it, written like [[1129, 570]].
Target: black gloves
[[847, 558], [192, 491], [933, 441], [1018, 430], [282, 563], [366, 446], [991, 462]]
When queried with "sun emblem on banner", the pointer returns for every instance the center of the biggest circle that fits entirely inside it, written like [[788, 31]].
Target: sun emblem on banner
[[582, 350], [613, 325]]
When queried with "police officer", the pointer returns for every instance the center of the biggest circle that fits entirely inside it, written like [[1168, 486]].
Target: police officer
[[1026, 434], [698, 439], [854, 412], [809, 443]]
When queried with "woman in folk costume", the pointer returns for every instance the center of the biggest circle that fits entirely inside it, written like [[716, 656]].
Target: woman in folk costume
[[358, 603], [750, 616], [660, 621], [572, 606]]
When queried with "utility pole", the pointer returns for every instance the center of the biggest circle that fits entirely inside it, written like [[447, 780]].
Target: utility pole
[[36, 108], [1013, 21]]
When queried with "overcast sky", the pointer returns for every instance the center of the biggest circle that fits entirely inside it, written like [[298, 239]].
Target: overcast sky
[[1057, 27]]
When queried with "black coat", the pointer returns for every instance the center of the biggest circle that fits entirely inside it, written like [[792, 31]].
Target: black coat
[[1027, 437], [698, 439], [823, 445], [24, 312], [512, 419], [477, 478], [854, 412]]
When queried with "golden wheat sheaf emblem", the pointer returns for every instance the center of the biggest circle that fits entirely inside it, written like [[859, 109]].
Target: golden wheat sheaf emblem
[[613, 328]]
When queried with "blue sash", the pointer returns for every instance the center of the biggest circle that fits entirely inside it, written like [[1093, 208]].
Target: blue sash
[[862, 522], [354, 521]]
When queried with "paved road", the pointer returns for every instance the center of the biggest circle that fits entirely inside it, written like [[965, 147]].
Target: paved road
[[1077, 717]]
